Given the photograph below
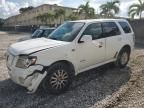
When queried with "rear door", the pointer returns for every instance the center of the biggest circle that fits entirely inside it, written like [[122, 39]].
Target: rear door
[[113, 39], [128, 34]]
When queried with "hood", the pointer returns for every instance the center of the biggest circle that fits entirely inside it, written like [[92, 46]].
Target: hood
[[33, 45], [23, 38]]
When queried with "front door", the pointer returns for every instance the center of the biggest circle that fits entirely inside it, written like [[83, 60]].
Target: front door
[[93, 52]]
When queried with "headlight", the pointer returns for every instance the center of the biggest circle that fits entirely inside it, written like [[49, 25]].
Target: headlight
[[25, 61]]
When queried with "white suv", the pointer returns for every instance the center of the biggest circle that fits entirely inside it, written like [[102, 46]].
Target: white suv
[[74, 47]]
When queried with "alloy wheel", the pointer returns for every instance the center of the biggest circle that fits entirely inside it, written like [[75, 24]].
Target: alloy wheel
[[59, 79]]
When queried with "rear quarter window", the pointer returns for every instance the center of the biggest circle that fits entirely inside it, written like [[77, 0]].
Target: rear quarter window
[[125, 27]]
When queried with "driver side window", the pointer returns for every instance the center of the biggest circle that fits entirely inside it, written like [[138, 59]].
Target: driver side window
[[95, 30]]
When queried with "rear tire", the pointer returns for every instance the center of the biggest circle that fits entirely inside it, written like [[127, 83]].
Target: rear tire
[[123, 58], [58, 79]]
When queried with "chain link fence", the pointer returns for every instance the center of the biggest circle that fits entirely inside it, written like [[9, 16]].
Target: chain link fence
[[29, 29]]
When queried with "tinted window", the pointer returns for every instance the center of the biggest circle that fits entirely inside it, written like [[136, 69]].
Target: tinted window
[[95, 30], [37, 33], [110, 29], [125, 27], [46, 32]]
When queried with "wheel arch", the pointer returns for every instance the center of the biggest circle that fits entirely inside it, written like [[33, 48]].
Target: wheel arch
[[127, 47], [68, 63], [124, 47]]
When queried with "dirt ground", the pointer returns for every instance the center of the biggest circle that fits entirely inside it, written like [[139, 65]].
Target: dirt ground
[[86, 90], [134, 97]]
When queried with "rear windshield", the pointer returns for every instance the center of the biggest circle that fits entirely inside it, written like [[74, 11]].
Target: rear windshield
[[125, 27]]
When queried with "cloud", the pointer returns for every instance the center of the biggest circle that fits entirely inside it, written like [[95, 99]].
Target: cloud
[[2, 2], [123, 6], [8, 8], [11, 7], [40, 2]]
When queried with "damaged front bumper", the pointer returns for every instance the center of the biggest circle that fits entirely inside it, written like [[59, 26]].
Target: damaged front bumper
[[29, 78]]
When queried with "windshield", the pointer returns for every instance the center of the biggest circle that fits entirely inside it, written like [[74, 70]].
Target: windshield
[[67, 31]]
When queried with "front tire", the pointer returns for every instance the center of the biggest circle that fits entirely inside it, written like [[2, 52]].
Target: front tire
[[123, 58], [58, 79]]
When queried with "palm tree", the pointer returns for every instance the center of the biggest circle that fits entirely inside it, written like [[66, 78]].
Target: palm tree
[[50, 17], [109, 9], [60, 13], [72, 17], [136, 9], [88, 11], [42, 18], [45, 18]]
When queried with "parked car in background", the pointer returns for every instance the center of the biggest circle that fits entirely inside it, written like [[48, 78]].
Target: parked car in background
[[74, 47], [42, 32]]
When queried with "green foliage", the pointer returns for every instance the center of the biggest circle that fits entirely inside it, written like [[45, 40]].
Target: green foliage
[[45, 18], [109, 9], [72, 17], [21, 10], [136, 9], [59, 13], [48, 17], [88, 11]]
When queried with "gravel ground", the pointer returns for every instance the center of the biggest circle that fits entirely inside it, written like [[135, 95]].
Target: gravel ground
[[134, 97], [87, 89]]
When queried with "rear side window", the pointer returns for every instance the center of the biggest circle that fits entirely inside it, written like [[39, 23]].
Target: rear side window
[[125, 27], [110, 29]]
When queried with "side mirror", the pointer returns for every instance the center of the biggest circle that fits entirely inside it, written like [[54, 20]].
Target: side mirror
[[85, 39]]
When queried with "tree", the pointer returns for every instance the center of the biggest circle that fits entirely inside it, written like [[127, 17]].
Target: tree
[[50, 17], [109, 9], [21, 10], [45, 18], [60, 13], [88, 11], [136, 9], [42, 18], [72, 17]]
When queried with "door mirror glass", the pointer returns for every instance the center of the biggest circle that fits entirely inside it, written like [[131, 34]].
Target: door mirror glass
[[85, 39]]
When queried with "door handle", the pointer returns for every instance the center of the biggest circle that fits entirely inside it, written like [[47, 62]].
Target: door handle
[[99, 44]]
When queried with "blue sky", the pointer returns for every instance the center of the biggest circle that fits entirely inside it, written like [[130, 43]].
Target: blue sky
[[10, 7]]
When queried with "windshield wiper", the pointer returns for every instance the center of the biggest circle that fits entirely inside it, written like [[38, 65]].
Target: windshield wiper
[[53, 38]]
